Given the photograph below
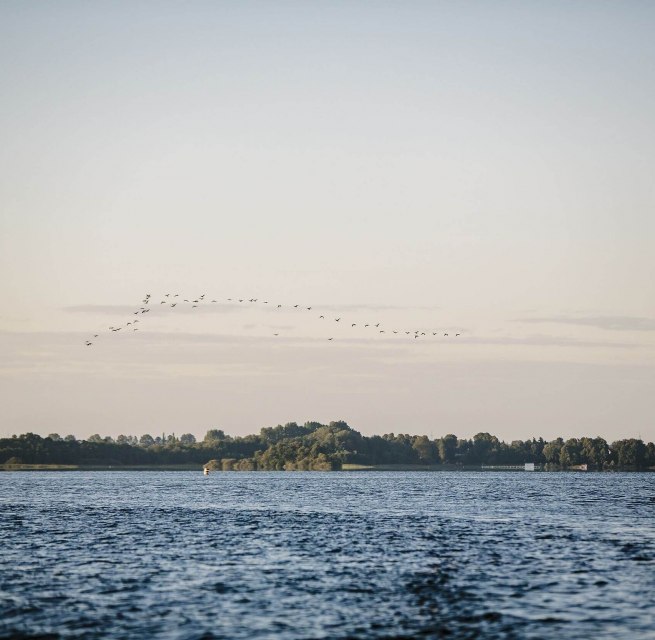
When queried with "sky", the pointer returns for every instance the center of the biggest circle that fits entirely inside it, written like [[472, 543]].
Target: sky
[[472, 167]]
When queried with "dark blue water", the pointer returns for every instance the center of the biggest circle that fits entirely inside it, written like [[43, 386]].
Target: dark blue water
[[327, 555]]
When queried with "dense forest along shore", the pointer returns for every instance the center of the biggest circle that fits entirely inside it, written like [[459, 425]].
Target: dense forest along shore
[[320, 447]]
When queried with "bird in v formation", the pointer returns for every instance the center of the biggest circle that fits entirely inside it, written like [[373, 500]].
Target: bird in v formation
[[201, 299]]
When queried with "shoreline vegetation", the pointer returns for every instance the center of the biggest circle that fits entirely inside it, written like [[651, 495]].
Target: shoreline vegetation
[[319, 447]]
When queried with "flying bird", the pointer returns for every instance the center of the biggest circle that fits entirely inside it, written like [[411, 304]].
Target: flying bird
[[201, 298]]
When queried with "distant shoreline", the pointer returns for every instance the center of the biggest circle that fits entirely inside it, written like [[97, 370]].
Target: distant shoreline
[[73, 467], [318, 447], [347, 468]]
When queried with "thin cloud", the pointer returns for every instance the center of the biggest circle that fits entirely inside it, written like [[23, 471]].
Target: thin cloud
[[608, 323], [547, 341], [118, 309], [376, 307], [389, 342], [105, 309]]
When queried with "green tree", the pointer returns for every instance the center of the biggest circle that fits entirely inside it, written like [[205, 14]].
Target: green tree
[[552, 450], [630, 453], [650, 455], [213, 436], [426, 450], [146, 440], [570, 453], [484, 446], [594, 451], [447, 447]]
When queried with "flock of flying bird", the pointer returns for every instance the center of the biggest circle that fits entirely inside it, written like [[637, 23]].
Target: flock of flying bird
[[172, 300]]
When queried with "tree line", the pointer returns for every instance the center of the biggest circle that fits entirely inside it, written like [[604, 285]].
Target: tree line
[[315, 446]]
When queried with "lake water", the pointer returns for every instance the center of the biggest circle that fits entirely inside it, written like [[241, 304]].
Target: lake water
[[327, 555]]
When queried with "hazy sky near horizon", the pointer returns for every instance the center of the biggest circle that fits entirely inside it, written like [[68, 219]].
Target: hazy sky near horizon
[[474, 166]]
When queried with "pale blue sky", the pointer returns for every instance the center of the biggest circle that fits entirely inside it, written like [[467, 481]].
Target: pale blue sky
[[480, 166]]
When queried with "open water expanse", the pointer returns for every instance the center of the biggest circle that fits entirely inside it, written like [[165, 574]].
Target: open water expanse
[[327, 555]]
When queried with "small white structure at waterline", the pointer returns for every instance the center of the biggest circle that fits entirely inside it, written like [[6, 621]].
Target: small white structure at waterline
[[529, 466], [205, 471]]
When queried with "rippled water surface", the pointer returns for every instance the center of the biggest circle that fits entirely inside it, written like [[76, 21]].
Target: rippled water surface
[[327, 555]]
